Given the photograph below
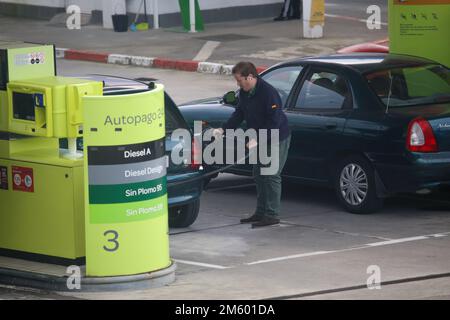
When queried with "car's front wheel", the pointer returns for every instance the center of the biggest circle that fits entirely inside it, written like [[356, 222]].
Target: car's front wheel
[[184, 216], [355, 186]]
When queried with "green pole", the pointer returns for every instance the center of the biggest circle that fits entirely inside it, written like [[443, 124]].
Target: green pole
[[185, 15]]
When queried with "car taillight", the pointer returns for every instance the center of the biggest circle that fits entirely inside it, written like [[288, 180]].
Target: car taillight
[[196, 155], [421, 137]]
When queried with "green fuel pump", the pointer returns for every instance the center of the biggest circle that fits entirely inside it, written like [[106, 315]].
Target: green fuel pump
[[107, 207], [126, 194]]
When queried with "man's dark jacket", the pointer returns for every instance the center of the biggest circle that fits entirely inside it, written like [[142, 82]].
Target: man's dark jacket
[[261, 108]]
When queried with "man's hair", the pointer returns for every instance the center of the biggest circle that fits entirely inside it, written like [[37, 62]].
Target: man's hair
[[245, 69]]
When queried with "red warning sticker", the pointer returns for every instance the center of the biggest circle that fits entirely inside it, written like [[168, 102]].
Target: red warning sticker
[[23, 179], [3, 178]]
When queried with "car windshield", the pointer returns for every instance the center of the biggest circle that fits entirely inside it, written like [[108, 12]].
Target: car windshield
[[408, 86]]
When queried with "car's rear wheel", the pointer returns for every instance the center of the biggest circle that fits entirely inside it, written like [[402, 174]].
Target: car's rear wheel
[[355, 186], [184, 216]]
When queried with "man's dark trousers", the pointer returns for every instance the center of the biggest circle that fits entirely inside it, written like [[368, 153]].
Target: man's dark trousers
[[292, 8], [268, 187], [297, 8]]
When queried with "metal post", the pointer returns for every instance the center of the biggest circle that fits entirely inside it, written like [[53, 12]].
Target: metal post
[[313, 18], [155, 14], [192, 15]]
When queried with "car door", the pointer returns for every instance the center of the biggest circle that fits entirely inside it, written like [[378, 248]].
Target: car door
[[317, 115]]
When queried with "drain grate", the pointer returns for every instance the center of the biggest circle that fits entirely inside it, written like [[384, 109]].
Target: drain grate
[[226, 37]]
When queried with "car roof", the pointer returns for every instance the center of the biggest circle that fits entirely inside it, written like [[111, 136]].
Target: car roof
[[114, 83], [365, 62]]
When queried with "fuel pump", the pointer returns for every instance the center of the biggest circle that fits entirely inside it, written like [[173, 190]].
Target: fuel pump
[[67, 207]]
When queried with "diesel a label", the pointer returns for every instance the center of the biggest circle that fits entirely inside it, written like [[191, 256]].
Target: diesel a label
[[133, 153]]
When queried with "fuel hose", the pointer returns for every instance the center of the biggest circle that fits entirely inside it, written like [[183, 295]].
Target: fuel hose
[[216, 171]]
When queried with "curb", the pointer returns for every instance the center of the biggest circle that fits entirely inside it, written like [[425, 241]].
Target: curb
[[148, 62], [71, 54], [49, 282]]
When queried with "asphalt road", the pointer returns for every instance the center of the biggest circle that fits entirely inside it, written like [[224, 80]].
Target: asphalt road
[[264, 41], [318, 252]]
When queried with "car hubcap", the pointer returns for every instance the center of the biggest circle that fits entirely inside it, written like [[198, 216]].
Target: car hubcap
[[354, 184]]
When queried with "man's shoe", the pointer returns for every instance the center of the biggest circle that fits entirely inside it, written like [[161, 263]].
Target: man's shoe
[[280, 18], [266, 221], [253, 218]]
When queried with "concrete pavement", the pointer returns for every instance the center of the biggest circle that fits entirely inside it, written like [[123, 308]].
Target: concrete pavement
[[317, 248]]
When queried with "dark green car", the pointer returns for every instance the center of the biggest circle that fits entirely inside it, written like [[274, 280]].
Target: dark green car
[[369, 125]]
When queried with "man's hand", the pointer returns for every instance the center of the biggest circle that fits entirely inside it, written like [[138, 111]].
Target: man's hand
[[252, 143], [217, 133]]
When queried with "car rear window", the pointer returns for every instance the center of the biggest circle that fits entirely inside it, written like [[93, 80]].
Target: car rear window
[[174, 119], [408, 86]]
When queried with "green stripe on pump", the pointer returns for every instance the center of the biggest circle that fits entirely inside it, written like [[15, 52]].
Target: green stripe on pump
[[122, 193], [128, 212]]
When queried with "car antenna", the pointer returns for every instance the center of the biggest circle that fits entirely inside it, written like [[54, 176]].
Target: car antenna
[[390, 92]]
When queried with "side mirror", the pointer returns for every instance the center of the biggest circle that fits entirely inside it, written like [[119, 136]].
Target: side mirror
[[230, 98]]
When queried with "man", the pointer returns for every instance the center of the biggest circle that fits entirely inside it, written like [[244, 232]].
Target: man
[[261, 107], [292, 9]]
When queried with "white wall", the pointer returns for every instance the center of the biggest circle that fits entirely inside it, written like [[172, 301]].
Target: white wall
[[86, 6], [110, 7], [46, 3], [171, 6], [215, 4], [165, 6]]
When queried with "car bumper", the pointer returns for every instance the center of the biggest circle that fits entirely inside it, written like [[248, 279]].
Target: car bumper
[[183, 189], [414, 171]]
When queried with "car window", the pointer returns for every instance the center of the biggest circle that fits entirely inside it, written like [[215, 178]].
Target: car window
[[173, 121], [324, 90], [409, 86], [283, 79]]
